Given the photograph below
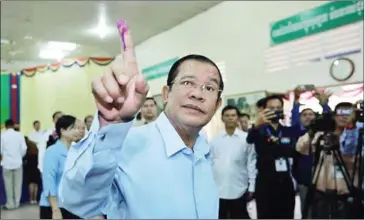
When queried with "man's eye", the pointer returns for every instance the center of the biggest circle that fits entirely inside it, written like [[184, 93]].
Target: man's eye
[[210, 88], [186, 83]]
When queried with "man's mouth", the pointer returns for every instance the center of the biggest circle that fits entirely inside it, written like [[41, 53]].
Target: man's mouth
[[194, 107]]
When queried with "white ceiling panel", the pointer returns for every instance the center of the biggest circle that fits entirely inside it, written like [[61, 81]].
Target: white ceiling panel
[[28, 25]]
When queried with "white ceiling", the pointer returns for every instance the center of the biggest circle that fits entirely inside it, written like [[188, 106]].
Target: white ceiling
[[71, 21]]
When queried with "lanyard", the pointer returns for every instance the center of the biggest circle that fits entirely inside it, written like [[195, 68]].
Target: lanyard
[[270, 133]]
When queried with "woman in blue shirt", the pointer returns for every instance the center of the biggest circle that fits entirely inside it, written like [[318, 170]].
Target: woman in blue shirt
[[54, 163]]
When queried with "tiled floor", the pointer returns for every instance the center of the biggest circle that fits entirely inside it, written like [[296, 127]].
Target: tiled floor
[[24, 212]]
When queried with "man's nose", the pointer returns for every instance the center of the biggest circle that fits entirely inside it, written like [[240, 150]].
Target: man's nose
[[197, 93]]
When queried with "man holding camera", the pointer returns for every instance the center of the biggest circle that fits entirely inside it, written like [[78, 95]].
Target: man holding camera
[[274, 145], [335, 145], [300, 121]]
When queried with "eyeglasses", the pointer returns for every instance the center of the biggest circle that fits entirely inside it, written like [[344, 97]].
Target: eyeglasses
[[189, 84]]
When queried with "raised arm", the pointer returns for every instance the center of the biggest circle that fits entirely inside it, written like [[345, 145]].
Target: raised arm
[[92, 163], [90, 169]]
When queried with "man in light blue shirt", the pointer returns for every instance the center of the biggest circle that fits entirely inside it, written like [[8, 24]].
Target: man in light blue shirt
[[160, 170]]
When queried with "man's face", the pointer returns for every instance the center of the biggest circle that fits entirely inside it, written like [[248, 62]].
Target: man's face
[[193, 98], [274, 105], [88, 122], [307, 117], [80, 127], [57, 116], [37, 126], [149, 109], [244, 121], [230, 118], [343, 116]]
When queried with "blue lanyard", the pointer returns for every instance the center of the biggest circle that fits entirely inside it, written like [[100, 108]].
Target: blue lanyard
[[270, 133]]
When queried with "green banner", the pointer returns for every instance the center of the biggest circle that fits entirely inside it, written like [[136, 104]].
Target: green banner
[[5, 98], [323, 18], [158, 70]]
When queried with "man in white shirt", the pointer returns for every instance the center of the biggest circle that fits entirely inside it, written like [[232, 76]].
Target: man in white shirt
[[43, 144], [13, 149], [234, 167], [37, 135], [88, 122], [148, 112]]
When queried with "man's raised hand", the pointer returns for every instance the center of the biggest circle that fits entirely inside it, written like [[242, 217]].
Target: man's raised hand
[[121, 90]]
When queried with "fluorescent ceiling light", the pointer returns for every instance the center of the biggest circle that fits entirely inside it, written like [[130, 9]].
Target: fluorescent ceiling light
[[57, 45], [4, 41], [51, 54]]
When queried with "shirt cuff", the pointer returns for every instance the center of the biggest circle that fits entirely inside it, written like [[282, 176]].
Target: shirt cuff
[[50, 192], [111, 136], [251, 187]]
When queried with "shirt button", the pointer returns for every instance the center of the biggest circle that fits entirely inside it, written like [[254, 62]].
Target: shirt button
[[187, 151], [101, 137]]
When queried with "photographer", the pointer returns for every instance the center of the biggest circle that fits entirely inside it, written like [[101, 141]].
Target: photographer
[[330, 193], [274, 145], [300, 121]]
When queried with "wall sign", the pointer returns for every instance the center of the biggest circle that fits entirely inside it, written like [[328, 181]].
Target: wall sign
[[158, 70], [325, 17]]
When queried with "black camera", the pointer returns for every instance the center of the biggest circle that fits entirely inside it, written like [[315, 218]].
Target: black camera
[[323, 122], [279, 114], [360, 112]]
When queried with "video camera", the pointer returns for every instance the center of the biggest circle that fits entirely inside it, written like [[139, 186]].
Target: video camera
[[322, 122]]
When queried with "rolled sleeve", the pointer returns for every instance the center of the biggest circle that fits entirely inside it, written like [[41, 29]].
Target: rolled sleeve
[[49, 173], [251, 167], [90, 169]]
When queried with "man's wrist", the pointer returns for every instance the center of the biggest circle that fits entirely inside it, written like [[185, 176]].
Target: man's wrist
[[104, 122]]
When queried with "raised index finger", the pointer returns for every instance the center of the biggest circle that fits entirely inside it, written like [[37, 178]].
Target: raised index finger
[[128, 53]]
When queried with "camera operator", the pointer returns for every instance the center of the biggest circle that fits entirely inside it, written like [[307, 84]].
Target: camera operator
[[296, 115], [300, 121], [330, 188], [274, 145]]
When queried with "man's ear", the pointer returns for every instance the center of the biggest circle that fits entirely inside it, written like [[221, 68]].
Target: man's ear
[[165, 94]]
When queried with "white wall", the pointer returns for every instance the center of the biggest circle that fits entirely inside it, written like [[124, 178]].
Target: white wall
[[238, 33]]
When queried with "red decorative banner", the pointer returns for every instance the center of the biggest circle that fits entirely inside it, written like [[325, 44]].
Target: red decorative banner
[[67, 63], [103, 61]]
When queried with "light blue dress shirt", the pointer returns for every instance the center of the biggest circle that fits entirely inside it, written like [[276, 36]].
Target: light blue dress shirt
[[349, 139], [139, 173], [54, 163]]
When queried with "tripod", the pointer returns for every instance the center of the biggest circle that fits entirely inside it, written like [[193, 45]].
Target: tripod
[[357, 210], [324, 204]]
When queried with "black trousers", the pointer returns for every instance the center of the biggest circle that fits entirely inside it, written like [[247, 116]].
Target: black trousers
[[276, 201], [233, 208], [46, 213]]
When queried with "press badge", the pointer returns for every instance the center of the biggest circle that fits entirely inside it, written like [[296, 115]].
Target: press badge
[[280, 165], [285, 140]]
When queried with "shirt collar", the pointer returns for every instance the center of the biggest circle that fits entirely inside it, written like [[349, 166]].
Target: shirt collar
[[172, 140], [235, 133]]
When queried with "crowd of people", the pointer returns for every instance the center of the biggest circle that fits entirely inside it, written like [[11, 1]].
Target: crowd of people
[[164, 167], [42, 155]]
